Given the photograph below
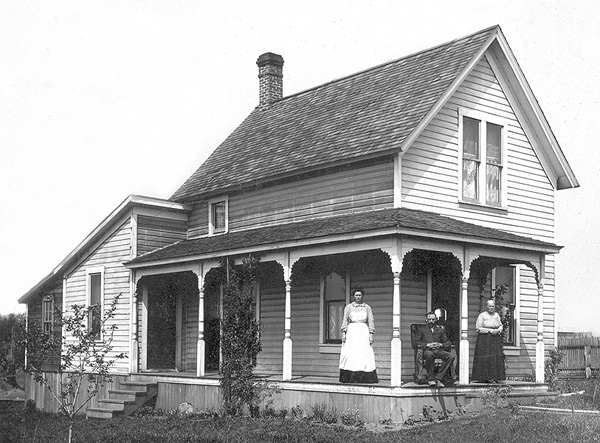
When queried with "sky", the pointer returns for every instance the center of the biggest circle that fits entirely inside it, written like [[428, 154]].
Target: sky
[[103, 99]]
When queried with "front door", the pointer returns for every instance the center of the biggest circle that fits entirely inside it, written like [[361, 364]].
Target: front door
[[162, 331]]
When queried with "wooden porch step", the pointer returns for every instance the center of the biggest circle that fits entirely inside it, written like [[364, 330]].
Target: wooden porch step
[[101, 413], [124, 401]]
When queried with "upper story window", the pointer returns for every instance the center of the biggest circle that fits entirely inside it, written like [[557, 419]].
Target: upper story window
[[218, 215], [483, 146], [334, 296], [48, 314], [95, 299]]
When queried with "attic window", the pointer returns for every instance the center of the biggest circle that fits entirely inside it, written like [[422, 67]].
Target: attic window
[[483, 142], [218, 213]]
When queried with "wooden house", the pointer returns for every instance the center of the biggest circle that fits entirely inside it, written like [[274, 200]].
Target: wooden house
[[428, 181]]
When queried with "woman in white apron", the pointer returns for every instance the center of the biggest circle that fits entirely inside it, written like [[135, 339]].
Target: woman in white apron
[[357, 360]]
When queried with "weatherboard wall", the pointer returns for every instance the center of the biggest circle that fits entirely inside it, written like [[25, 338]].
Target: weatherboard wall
[[343, 192], [109, 254], [431, 181]]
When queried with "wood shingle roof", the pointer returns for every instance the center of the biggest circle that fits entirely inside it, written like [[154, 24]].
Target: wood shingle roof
[[372, 223], [363, 115]]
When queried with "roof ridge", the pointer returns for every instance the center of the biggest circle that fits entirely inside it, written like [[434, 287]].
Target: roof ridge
[[389, 62]]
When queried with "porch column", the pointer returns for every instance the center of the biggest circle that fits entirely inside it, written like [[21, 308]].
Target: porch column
[[539, 346], [395, 252], [396, 350], [134, 353], [286, 263], [463, 376], [200, 345], [287, 340]]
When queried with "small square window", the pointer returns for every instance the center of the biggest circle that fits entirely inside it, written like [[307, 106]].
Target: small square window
[[218, 216]]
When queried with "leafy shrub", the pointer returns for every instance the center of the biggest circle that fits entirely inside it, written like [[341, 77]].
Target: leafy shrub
[[298, 412], [322, 414], [352, 417], [240, 341], [555, 358], [496, 396]]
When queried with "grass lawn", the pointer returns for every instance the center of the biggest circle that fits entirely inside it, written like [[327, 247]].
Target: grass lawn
[[492, 425]]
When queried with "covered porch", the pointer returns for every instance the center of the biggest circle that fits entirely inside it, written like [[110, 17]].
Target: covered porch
[[399, 270]]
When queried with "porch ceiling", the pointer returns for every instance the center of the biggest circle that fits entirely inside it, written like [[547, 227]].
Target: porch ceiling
[[396, 221]]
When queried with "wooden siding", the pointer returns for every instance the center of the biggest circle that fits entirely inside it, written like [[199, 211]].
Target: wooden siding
[[431, 166], [190, 334], [430, 181], [344, 192], [110, 254], [45, 401], [34, 315], [156, 232]]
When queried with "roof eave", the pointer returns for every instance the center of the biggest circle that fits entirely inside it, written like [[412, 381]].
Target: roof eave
[[565, 176], [456, 238]]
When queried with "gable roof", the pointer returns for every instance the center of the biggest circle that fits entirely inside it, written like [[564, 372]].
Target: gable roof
[[367, 224], [375, 112], [105, 226], [365, 114]]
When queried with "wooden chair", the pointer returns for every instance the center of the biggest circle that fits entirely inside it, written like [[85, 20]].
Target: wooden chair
[[420, 375]]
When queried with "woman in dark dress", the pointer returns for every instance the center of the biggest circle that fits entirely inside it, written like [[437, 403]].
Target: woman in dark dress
[[488, 362]]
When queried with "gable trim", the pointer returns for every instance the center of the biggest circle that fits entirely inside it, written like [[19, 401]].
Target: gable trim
[[412, 137], [567, 179]]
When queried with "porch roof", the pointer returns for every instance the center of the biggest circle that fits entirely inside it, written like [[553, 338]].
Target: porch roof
[[395, 221]]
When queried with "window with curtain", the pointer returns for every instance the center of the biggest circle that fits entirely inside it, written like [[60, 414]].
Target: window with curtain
[[482, 161], [334, 295]]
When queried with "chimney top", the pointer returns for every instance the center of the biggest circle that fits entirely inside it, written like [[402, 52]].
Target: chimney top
[[270, 74]]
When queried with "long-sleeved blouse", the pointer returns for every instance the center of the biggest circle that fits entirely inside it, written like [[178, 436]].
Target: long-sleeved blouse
[[354, 308], [487, 323]]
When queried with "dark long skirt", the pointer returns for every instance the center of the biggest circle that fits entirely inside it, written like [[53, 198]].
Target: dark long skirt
[[488, 362], [358, 376]]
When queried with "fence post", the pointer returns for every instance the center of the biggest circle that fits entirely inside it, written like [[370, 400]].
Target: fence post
[[587, 355]]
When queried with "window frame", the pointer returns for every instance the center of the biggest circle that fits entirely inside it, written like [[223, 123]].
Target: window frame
[[482, 176], [89, 272], [516, 291], [48, 315], [326, 347], [212, 230]]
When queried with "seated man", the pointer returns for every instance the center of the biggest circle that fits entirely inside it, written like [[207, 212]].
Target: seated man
[[435, 344]]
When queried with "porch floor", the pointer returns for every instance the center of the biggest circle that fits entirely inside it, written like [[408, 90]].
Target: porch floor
[[333, 380]]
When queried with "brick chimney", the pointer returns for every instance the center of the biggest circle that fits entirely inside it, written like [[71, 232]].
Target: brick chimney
[[270, 74]]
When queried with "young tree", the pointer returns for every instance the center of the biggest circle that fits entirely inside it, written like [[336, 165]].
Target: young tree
[[240, 341], [84, 348], [12, 353]]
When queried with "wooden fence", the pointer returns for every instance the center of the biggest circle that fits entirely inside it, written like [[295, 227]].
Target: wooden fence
[[581, 355]]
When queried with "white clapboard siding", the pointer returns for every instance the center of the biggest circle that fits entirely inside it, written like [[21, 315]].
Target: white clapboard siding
[[111, 254], [156, 232], [431, 166], [343, 192], [530, 195]]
